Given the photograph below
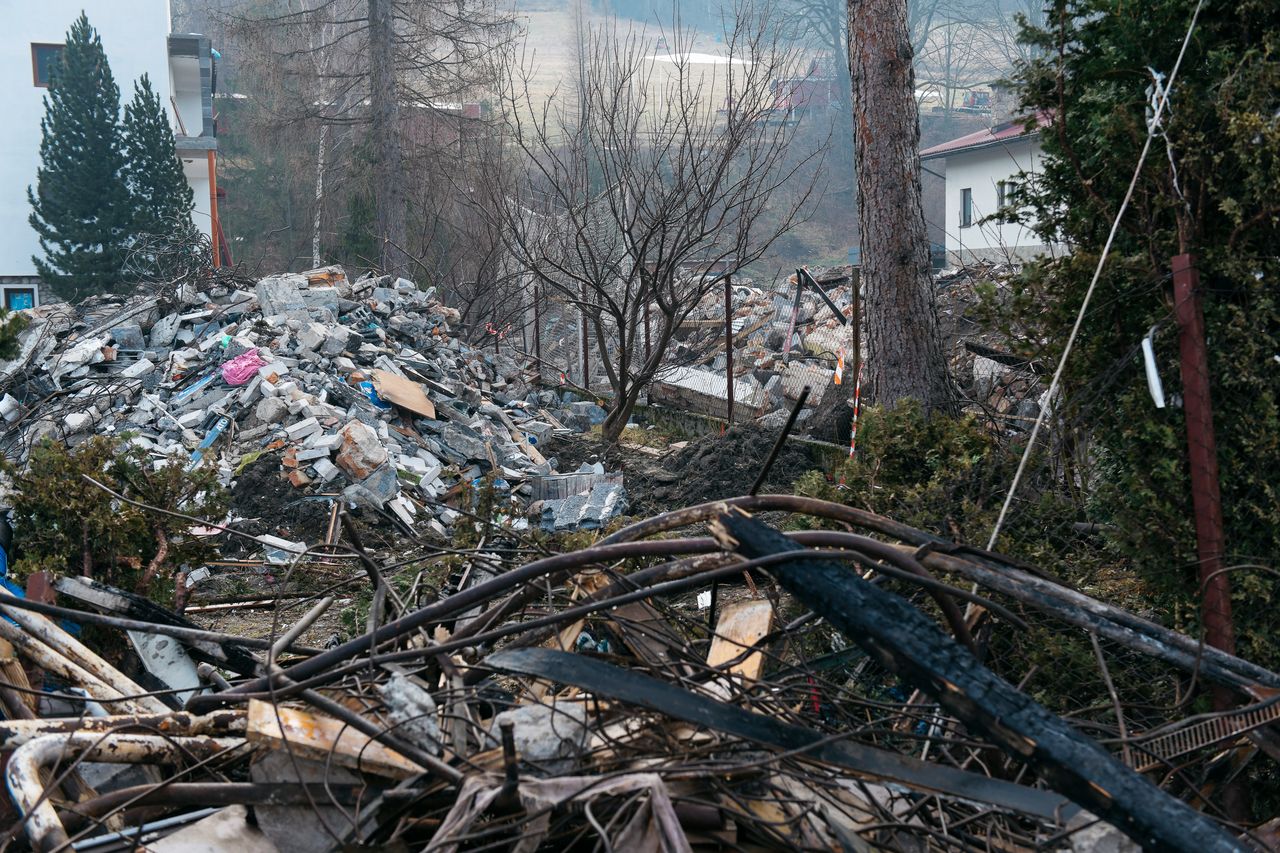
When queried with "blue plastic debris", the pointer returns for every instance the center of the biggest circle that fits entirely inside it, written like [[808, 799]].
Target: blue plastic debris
[[372, 393]]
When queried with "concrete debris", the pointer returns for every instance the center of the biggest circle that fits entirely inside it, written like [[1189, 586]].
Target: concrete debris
[[359, 387]]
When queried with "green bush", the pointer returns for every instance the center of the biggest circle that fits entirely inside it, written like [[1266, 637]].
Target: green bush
[[66, 525]]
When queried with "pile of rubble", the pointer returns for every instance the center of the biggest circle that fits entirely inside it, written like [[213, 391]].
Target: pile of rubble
[[786, 337], [661, 689], [359, 386]]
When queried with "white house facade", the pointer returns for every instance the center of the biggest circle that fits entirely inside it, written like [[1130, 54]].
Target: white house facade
[[136, 37], [983, 171]]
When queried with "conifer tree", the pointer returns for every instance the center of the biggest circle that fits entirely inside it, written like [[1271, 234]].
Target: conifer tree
[[80, 204], [161, 199]]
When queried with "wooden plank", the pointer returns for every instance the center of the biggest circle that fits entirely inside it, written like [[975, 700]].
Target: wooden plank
[[518, 437], [551, 419], [741, 625], [15, 677], [324, 739], [646, 633]]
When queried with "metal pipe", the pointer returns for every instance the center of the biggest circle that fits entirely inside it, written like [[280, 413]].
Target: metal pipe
[[193, 635], [48, 632], [782, 439], [728, 348], [45, 831], [308, 619], [50, 660], [207, 794], [15, 733]]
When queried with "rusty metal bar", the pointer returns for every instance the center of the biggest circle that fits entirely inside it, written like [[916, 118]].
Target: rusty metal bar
[[15, 733], [1202, 456], [100, 689]]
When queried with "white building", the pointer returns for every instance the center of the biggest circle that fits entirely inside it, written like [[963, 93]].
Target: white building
[[982, 171], [136, 37]]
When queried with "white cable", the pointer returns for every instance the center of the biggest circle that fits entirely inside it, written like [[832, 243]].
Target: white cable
[[1097, 273]]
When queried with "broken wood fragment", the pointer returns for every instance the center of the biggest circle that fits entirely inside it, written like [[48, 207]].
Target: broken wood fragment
[[323, 738]]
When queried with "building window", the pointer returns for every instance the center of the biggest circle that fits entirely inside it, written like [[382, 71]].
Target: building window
[[1007, 200], [966, 207], [17, 298], [44, 57]]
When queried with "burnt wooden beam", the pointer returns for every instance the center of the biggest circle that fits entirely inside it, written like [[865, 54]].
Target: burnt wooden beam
[[864, 761], [911, 644]]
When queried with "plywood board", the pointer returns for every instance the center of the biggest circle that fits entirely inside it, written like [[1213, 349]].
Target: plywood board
[[741, 625]]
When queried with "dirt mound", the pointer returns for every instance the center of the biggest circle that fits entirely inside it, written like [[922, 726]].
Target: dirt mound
[[267, 503], [717, 466]]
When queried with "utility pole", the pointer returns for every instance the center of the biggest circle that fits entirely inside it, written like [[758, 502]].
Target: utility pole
[[1206, 498]]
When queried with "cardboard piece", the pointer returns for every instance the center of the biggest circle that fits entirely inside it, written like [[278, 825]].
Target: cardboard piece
[[404, 393]]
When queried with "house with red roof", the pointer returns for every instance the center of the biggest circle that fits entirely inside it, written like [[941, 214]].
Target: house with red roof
[[983, 171]]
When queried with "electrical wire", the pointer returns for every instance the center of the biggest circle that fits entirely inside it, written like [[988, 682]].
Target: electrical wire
[[1152, 127]]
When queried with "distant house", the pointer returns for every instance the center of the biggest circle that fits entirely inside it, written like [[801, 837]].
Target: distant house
[[135, 34], [982, 176]]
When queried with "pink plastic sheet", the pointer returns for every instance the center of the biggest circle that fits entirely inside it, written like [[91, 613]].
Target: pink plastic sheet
[[241, 369]]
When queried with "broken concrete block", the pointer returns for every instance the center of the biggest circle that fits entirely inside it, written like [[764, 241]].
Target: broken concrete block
[[270, 410], [165, 330], [280, 294], [302, 429], [325, 469], [460, 445], [383, 483], [312, 454], [138, 369], [412, 711], [374, 491], [335, 342], [282, 544], [361, 451], [128, 336], [321, 298], [10, 408], [78, 421], [312, 336], [299, 479], [550, 736], [329, 441]]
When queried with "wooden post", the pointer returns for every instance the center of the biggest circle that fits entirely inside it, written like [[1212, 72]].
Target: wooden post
[[215, 223], [586, 368], [728, 346], [1206, 499], [855, 322], [537, 326]]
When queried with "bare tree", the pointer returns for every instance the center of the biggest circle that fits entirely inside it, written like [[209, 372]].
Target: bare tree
[[661, 178], [904, 353], [362, 64]]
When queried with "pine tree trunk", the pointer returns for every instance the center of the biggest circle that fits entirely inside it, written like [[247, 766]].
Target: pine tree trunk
[[385, 126], [904, 353]]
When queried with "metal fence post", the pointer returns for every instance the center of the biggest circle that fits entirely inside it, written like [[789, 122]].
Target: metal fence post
[[728, 345], [1202, 455]]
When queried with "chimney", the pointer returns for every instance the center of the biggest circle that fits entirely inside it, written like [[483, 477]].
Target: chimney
[[1004, 104]]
